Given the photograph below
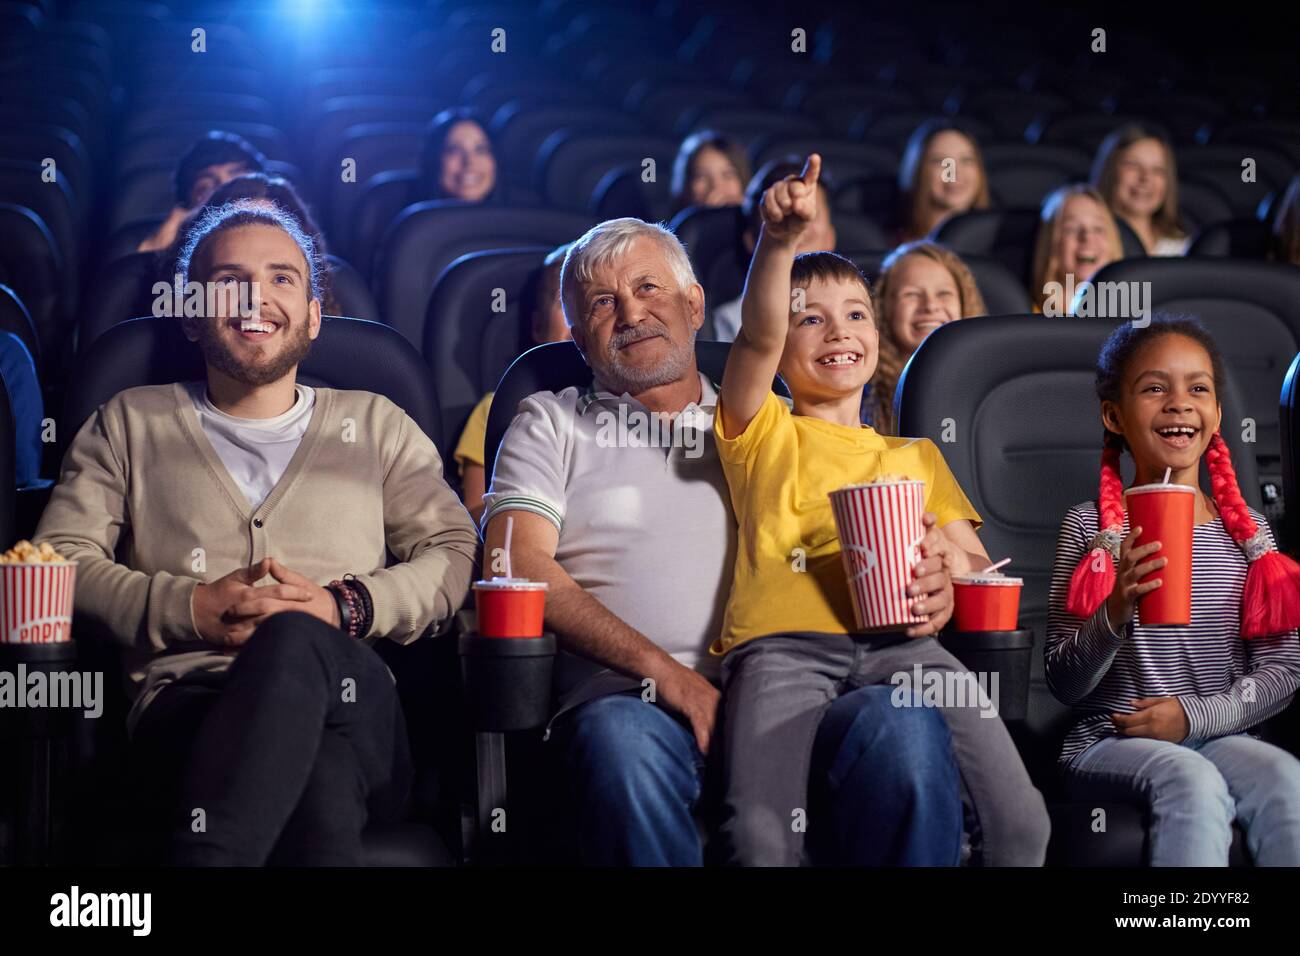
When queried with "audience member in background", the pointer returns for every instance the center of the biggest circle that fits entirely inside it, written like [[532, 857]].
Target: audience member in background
[[235, 548], [710, 170], [215, 159], [1136, 174], [921, 286], [1077, 235], [458, 161], [18, 370], [267, 192], [818, 237], [546, 322], [942, 174], [1286, 225]]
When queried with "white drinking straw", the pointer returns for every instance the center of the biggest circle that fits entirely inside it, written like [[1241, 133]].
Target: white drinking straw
[[994, 567], [1168, 472], [510, 530]]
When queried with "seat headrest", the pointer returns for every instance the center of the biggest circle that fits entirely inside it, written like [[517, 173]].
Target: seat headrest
[[471, 332], [348, 354]]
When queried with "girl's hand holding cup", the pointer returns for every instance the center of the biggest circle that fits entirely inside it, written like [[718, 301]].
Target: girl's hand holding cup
[[1133, 567]]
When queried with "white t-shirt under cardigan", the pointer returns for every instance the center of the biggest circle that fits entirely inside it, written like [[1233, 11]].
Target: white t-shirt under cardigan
[[1225, 684], [256, 451]]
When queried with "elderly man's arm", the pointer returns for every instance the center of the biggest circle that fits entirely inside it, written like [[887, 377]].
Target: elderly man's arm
[[588, 628]]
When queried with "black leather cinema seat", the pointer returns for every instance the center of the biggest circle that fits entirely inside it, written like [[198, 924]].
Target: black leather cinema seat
[[571, 163], [21, 185], [429, 236], [1233, 239], [975, 381], [471, 334], [15, 318], [348, 354], [1021, 175], [712, 240], [1003, 234], [30, 263]]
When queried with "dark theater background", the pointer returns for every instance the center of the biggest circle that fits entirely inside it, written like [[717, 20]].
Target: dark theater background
[[437, 227]]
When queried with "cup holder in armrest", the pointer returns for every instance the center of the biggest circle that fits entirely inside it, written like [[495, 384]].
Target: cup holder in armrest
[[1005, 653], [507, 680]]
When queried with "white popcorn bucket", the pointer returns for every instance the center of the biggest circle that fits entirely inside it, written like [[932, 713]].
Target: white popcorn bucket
[[36, 602], [880, 532]]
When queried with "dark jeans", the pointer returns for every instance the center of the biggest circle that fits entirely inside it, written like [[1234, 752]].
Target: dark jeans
[[288, 754], [884, 784], [776, 691]]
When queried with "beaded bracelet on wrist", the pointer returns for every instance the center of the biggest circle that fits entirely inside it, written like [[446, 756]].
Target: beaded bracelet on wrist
[[350, 608]]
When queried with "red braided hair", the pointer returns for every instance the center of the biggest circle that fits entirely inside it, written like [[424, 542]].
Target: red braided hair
[[1094, 577], [1270, 601]]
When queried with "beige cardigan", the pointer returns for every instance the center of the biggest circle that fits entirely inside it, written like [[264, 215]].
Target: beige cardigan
[[148, 510]]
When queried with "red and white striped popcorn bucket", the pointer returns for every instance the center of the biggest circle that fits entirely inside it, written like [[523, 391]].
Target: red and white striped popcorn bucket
[[880, 535], [36, 602]]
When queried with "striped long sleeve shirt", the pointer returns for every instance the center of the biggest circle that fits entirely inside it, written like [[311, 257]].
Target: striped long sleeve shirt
[[1225, 684]]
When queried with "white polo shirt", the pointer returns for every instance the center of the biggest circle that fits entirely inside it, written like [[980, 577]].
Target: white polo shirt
[[645, 519]]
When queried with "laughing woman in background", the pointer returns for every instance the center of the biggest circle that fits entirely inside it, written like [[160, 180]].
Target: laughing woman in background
[[1136, 173], [1077, 235]]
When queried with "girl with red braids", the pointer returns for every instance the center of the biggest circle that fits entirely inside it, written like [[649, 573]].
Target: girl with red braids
[[1163, 712]]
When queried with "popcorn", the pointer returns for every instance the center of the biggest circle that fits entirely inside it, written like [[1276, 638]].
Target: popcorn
[[888, 479], [24, 552]]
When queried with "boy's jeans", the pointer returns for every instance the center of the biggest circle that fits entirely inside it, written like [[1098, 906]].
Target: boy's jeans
[[776, 690], [886, 777], [1195, 791]]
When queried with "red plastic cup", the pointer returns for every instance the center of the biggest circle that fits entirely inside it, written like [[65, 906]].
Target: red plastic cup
[[1165, 513], [986, 602], [510, 607], [36, 602], [879, 526]]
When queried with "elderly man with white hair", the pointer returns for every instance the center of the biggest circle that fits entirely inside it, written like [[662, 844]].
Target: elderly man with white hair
[[632, 528]]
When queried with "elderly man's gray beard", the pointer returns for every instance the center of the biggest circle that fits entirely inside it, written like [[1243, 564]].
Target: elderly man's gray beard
[[618, 377]]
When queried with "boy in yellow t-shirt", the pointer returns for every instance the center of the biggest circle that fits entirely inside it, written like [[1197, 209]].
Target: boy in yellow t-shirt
[[789, 634]]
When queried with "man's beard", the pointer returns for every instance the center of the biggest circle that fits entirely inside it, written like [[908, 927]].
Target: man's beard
[[618, 378], [220, 356]]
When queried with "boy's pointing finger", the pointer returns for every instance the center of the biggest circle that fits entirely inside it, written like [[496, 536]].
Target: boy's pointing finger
[[812, 169]]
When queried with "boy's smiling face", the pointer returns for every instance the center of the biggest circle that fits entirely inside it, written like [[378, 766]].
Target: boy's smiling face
[[832, 347]]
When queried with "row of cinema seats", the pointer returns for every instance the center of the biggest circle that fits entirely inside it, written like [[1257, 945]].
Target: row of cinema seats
[[111, 95], [453, 258], [1020, 472]]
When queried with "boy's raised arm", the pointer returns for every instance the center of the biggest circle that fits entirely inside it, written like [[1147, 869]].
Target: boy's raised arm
[[788, 207]]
